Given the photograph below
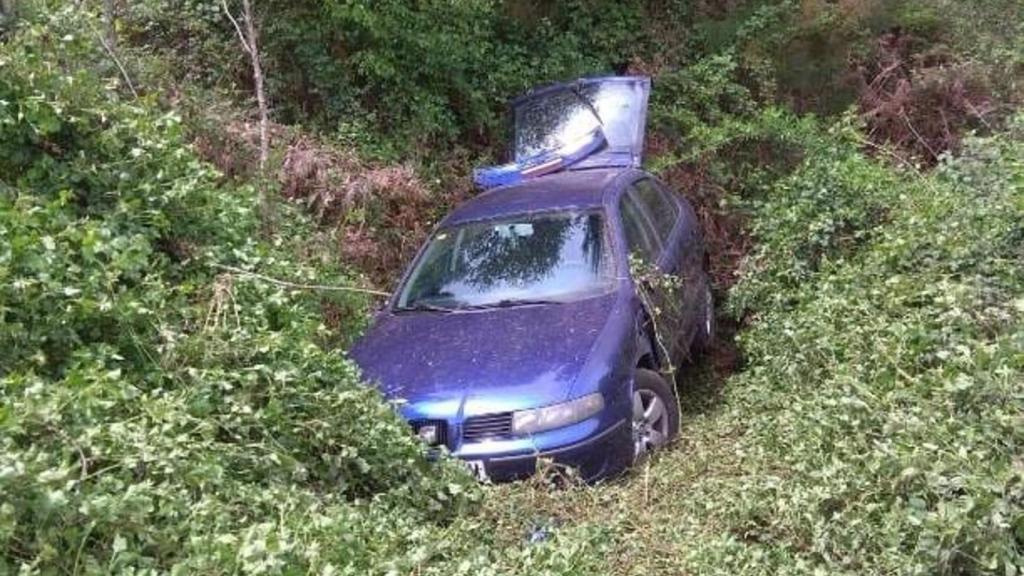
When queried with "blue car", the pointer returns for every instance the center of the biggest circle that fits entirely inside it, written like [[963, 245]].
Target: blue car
[[519, 331]]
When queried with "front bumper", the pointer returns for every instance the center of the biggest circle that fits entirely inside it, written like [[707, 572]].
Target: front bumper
[[601, 455]]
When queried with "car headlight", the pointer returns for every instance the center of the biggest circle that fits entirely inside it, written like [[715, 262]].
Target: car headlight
[[428, 433], [556, 415]]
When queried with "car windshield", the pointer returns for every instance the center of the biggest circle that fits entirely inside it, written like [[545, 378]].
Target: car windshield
[[533, 258]]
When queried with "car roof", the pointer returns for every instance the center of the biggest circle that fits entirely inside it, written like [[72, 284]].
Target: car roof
[[579, 189]]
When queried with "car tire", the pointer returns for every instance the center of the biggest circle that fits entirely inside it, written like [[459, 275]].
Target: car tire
[[655, 413], [704, 338]]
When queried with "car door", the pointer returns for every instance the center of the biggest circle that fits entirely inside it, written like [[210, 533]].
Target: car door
[[676, 222], [691, 243], [646, 231]]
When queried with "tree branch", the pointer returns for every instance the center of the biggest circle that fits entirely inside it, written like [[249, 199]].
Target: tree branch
[[117, 62], [110, 23], [918, 136], [241, 36], [294, 285], [257, 76]]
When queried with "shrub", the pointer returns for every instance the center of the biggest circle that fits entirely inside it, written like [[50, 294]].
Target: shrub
[[159, 413], [882, 365], [921, 104], [392, 78]]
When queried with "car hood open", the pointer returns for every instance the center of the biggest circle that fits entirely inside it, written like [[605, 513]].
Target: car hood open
[[479, 362]]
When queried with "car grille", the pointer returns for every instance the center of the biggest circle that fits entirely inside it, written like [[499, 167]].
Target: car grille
[[487, 426], [442, 430]]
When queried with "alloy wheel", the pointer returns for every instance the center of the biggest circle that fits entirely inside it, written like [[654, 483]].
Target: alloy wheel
[[650, 422]]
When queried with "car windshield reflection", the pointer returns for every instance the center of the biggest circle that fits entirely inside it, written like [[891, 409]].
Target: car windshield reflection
[[532, 259]]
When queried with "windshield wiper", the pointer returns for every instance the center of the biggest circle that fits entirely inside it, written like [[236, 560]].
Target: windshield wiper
[[509, 303], [424, 307]]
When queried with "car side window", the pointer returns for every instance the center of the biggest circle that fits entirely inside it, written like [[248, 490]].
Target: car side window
[[664, 210], [641, 237]]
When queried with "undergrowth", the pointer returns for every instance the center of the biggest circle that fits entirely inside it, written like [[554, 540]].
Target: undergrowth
[[170, 398]]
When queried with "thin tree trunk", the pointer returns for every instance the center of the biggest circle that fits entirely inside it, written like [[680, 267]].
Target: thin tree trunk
[[250, 43], [108, 39], [6, 12], [257, 76], [109, 15]]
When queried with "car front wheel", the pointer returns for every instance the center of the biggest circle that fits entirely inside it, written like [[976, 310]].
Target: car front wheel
[[655, 413]]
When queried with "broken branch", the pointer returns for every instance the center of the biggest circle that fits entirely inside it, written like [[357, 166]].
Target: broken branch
[[299, 286]]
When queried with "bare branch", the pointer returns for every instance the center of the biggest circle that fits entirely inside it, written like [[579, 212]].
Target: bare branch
[[117, 62], [241, 36], [257, 76], [110, 23], [918, 136], [979, 114], [298, 286]]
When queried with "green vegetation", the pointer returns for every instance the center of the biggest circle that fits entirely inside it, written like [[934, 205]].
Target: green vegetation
[[394, 77], [158, 413], [175, 397]]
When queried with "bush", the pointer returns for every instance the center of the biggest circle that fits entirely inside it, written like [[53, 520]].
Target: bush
[[161, 413], [392, 78], [880, 401], [435, 71]]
